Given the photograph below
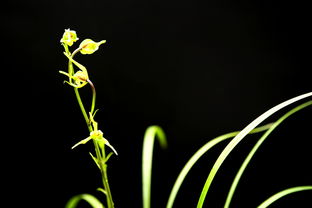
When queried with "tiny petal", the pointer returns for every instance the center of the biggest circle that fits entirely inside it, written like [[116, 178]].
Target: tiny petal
[[84, 141], [69, 37], [110, 146], [88, 46]]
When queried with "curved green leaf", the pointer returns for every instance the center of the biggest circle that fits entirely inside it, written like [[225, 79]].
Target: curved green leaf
[[199, 153], [92, 200], [151, 133], [256, 147], [283, 193], [227, 150], [102, 191]]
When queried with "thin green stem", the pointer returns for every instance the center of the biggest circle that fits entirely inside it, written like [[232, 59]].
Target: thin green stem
[[83, 110], [75, 52], [100, 152], [93, 96], [109, 197], [101, 157]]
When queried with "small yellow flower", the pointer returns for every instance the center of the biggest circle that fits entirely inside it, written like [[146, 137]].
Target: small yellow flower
[[80, 78], [88, 46], [69, 37], [97, 136]]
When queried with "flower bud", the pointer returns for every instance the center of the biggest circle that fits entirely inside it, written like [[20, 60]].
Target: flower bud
[[69, 37], [88, 46]]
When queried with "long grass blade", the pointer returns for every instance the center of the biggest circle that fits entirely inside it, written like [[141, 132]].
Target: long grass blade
[[256, 147], [92, 200], [237, 139], [151, 133], [283, 193], [198, 154]]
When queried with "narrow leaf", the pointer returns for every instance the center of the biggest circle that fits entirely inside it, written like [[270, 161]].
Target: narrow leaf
[[256, 147], [283, 193], [84, 141], [151, 133], [108, 156], [199, 153], [92, 200], [95, 160], [227, 150], [102, 190]]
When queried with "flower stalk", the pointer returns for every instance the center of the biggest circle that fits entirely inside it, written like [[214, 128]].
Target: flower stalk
[[78, 79]]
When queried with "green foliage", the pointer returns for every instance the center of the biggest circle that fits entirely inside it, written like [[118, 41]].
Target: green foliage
[[199, 153], [227, 150], [92, 200], [283, 193], [256, 147], [151, 133]]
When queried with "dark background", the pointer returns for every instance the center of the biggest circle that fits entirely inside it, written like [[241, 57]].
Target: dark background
[[198, 68]]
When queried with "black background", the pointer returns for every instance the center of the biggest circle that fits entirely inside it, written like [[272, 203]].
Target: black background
[[198, 68]]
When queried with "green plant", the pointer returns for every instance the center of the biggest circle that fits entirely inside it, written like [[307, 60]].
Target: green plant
[[238, 136], [79, 78]]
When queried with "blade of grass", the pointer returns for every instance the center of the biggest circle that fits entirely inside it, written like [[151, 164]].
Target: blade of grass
[[256, 147], [198, 154], [237, 139], [151, 133], [283, 193], [92, 200]]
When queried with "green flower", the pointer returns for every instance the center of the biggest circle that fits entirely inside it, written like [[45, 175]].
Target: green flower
[[80, 79], [69, 37], [97, 136], [88, 46]]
